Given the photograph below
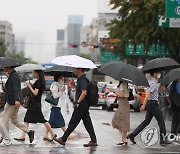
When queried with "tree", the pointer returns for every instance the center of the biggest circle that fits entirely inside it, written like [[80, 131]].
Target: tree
[[2, 49], [87, 56], [138, 24], [21, 58]]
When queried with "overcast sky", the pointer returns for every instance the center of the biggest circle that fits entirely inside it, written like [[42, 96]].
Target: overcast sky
[[45, 15]]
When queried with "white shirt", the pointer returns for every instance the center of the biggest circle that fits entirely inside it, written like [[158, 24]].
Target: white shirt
[[56, 92]]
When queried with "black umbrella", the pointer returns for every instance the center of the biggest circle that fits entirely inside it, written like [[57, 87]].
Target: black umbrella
[[124, 72], [65, 70], [8, 62], [160, 64], [171, 76]]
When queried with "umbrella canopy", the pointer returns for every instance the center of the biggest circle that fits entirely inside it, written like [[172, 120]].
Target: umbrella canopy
[[29, 68], [160, 64], [8, 62], [65, 70], [124, 72], [74, 61], [171, 76]]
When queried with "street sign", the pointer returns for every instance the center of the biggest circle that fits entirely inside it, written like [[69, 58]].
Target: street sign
[[130, 49], [172, 9], [168, 22], [113, 40], [174, 22], [155, 50], [163, 22], [106, 56]]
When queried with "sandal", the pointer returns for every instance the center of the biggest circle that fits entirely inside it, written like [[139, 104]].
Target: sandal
[[47, 139], [122, 143]]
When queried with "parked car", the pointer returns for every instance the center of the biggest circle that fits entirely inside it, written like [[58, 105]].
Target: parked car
[[72, 95], [49, 80], [3, 79], [102, 94], [110, 97], [134, 99], [142, 93], [110, 101]]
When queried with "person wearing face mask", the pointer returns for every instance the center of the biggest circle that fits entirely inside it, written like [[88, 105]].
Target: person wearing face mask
[[152, 109], [56, 119]]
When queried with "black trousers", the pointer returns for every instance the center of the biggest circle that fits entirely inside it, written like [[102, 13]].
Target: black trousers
[[80, 113], [175, 122], [152, 109]]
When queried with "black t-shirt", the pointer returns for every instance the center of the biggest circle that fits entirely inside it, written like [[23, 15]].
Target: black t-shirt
[[38, 85], [82, 84]]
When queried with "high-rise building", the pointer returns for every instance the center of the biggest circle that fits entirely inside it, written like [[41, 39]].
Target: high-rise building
[[105, 15], [6, 34], [73, 33], [60, 45]]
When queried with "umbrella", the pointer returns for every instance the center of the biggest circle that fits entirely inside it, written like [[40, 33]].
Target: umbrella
[[74, 61], [29, 68], [160, 64], [8, 62], [171, 76], [124, 72], [67, 71]]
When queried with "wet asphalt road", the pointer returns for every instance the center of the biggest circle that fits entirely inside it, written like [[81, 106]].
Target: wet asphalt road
[[106, 135]]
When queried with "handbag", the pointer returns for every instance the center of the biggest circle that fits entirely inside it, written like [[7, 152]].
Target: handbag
[[26, 102], [51, 100]]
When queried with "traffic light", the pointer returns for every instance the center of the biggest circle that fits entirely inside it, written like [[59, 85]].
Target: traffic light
[[94, 46], [73, 45], [111, 47]]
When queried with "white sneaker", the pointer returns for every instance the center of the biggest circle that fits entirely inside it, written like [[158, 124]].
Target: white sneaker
[[5, 142]]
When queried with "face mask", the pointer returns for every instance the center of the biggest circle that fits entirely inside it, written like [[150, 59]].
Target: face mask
[[159, 76], [61, 82]]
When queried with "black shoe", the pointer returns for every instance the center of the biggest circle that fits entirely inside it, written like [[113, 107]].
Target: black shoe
[[164, 143], [20, 139], [131, 137], [1, 139], [31, 136]]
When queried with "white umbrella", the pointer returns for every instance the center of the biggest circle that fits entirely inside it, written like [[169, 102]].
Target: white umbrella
[[29, 68], [74, 61]]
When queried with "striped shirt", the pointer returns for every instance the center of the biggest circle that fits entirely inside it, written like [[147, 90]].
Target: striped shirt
[[153, 89]]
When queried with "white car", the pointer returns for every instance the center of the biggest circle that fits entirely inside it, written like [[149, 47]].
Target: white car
[[110, 98], [3, 79]]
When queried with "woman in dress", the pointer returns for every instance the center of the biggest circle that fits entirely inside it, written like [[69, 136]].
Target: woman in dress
[[56, 119], [34, 112], [121, 118]]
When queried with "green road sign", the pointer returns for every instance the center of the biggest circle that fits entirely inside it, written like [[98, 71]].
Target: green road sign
[[163, 22], [139, 49], [155, 50], [168, 22], [106, 56], [172, 9]]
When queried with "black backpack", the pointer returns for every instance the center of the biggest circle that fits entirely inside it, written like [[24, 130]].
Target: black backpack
[[92, 93], [174, 97]]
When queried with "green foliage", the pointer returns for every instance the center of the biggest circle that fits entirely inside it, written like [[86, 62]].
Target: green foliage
[[139, 24], [21, 58], [87, 56], [2, 48]]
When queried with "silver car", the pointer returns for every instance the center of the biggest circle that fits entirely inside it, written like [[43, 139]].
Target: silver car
[[134, 99]]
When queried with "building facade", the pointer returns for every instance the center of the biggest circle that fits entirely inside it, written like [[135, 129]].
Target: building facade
[[60, 45], [6, 35], [73, 33]]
